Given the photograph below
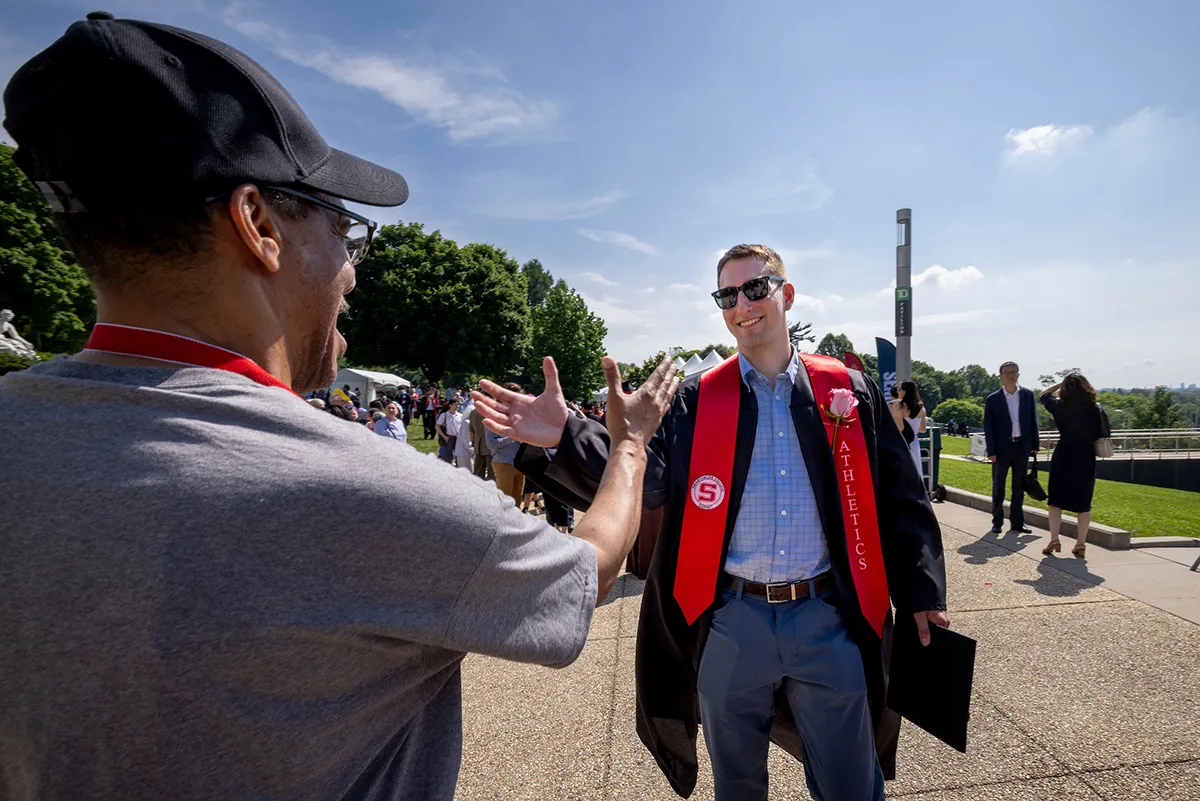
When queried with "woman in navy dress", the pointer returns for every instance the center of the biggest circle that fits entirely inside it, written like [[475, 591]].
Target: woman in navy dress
[[1080, 423]]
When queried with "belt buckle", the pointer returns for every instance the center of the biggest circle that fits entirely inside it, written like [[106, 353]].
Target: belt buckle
[[782, 585]]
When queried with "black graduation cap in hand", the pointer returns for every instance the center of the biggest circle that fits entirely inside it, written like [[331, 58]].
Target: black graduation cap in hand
[[931, 684]]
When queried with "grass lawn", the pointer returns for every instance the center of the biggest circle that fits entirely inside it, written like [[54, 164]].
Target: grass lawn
[[956, 446], [1143, 511], [416, 438]]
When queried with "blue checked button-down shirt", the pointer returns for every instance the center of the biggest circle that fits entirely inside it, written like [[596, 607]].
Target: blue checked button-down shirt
[[778, 534]]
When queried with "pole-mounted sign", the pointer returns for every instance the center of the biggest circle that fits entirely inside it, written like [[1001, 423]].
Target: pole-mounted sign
[[903, 311], [904, 323]]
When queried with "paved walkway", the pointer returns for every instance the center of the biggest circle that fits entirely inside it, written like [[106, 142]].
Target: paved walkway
[[1087, 686]]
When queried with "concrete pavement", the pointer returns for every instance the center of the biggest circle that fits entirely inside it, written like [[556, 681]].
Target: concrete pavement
[[1087, 686]]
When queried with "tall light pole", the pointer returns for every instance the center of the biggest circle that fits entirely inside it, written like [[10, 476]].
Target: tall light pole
[[903, 295]]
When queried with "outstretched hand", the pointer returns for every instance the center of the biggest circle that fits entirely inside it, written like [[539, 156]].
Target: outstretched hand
[[537, 421], [638, 415]]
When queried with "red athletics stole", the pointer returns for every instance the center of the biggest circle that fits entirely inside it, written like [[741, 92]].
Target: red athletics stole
[[711, 474], [127, 340]]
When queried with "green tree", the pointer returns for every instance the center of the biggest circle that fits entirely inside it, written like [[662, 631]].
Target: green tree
[[639, 374], [1127, 410], [1165, 414], [980, 382], [626, 368], [834, 345], [929, 383], [960, 410], [871, 365], [40, 281], [538, 282], [953, 386], [800, 332], [424, 302], [11, 362], [564, 327]]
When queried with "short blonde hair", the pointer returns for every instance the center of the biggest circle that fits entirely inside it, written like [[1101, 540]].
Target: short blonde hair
[[772, 264]]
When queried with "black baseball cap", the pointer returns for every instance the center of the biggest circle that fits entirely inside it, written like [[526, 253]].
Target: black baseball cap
[[116, 105]]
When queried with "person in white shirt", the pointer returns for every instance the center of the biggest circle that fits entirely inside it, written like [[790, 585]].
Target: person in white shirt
[[1011, 430], [447, 429], [464, 449]]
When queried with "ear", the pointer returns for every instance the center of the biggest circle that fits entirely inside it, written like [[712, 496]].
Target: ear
[[789, 296], [256, 226]]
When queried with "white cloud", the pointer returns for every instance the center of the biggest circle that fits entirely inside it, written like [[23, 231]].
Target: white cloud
[[808, 303], [948, 279], [1045, 140], [835, 299], [770, 188], [938, 276], [621, 240], [512, 196], [684, 288], [1149, 362], [470, 102], [597, 278]]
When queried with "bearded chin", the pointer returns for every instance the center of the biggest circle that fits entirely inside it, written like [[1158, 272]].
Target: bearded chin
[[318, 366]]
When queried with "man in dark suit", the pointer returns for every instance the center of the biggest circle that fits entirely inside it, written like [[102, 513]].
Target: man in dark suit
[[1010, 428], [780, 645]]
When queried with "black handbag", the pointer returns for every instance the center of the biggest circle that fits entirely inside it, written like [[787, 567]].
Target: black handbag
[[1033, 487]]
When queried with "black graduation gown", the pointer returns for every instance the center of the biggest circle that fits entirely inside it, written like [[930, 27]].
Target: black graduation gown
[[668, 649]]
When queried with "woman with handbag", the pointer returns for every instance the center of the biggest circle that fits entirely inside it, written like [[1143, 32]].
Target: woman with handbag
[[1081, 423]]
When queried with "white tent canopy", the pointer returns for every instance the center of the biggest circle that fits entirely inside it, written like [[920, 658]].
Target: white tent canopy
[[385, 379], [713, 359], [368, 382], [692, 365], [679, 362]]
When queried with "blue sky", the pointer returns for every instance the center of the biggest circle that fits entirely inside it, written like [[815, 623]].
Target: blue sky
[[1048, 151]]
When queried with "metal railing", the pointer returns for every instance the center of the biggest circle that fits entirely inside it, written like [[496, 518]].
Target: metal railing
[[1145, 443]]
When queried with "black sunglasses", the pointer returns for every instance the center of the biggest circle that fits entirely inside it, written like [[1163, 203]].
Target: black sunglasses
[[754, 289]]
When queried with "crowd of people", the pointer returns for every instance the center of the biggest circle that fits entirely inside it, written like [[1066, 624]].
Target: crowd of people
[[462, 439]]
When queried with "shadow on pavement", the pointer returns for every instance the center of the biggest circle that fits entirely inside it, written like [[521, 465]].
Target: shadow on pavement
[[991, 545], [627, 586], [1057, 583]]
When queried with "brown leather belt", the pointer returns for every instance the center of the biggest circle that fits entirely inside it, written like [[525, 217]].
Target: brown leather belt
[[784, 592]]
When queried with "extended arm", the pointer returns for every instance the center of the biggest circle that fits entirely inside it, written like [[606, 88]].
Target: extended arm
[[611, 524]]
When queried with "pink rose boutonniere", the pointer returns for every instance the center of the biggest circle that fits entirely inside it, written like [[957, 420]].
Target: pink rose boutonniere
[[841, 405]]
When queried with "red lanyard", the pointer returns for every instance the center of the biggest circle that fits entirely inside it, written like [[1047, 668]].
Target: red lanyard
[[126, 340]]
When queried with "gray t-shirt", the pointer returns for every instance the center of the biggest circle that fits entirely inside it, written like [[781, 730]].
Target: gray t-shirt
[[210, 589]]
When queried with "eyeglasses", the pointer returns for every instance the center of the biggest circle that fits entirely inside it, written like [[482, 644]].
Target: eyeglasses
[[357, 237], [754, 289]]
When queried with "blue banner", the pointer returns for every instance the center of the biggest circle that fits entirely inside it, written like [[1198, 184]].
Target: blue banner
[[887, 366]]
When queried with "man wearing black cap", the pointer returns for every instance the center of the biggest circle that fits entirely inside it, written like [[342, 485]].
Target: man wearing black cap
[[202, 604]]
